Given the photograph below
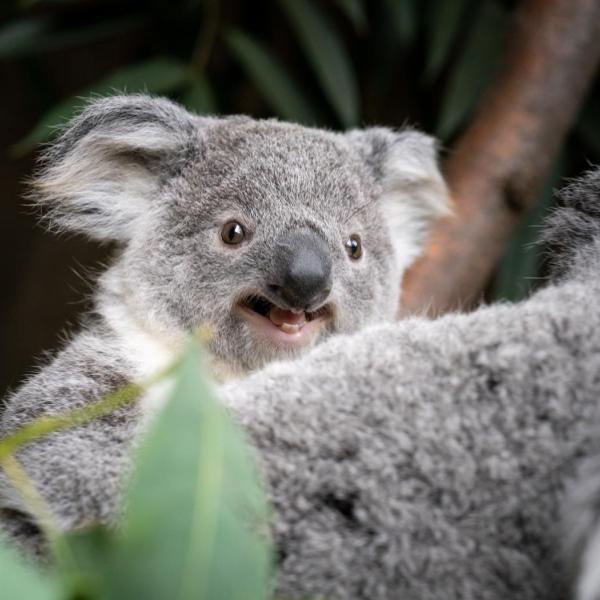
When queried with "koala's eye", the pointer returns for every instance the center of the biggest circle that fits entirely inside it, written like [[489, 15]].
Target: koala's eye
[[232, 233], [354, 246]]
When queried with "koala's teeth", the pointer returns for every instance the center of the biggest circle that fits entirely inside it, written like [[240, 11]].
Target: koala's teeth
[[289, 328]]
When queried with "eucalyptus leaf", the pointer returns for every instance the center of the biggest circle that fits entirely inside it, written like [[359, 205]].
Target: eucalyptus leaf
[[327, 54], [20, 37], [85, 560], [85, 35], [403, 15], [200, 97], [19, 579], [355, 11], [196, 517], [158, 76], [444, 23], [279, 89], [474, 69], [29, 36]]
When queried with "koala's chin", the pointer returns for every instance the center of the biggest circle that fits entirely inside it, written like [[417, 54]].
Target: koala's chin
[[259, 331], [290, 309]]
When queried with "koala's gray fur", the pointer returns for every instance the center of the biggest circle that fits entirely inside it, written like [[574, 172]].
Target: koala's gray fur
[[161, 182], [429, 459]]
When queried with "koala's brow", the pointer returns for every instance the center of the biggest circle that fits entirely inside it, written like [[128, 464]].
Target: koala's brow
[[359, 209]]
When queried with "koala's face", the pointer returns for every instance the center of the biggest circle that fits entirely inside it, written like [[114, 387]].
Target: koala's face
[[273, 235]]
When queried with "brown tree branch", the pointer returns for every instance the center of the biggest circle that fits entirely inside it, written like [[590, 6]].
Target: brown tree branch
[[496, 169]]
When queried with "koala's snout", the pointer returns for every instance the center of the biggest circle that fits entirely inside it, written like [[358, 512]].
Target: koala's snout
[[302, 277]]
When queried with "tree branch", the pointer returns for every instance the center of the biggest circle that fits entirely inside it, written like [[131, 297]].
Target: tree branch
[[496, 169]]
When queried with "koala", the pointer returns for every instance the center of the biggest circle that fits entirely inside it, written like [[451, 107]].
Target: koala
[[455, 458], [271, 235]]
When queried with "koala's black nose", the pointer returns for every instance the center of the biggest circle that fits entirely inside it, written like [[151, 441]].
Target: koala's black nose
[[303, 269]]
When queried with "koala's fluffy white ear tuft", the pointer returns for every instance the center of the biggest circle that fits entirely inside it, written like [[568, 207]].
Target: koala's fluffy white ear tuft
[[413, 191], [103, 171]]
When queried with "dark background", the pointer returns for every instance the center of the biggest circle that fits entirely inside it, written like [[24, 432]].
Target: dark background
[[331, 63]]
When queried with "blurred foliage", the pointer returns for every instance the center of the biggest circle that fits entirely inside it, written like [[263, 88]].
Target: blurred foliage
[[332, 63], [195, 524]]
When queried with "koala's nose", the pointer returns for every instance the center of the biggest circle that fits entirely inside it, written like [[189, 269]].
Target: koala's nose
[[303, 265]]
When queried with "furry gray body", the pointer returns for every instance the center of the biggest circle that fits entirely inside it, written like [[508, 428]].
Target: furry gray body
[[418, 460], [430, 459]]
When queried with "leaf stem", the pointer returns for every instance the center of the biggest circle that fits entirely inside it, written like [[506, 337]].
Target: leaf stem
[[48, 424]]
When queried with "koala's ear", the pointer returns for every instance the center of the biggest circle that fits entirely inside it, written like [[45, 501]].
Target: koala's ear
[[104, 170], [413, 192]]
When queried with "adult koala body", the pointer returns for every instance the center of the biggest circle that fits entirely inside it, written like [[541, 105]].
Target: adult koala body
[[273, 235], [431, 460]]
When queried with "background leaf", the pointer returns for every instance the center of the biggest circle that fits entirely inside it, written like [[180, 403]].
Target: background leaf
[[403, 14], [21, 36], [444, 20], [200, 97], [355, 11], [477, 63], [329, 58], [278, 88], [157, 76], [197, 512], [30, 36]]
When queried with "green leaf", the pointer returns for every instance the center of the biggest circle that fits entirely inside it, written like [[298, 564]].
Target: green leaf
[[85, 560], [22, 36], [445, 19], [516, 275], [158, 76], [474, 69], [200, 97], [355, 11], [86, 35], [403, 14], [19, 579], [270, 77], [196, 517], [328, 56]]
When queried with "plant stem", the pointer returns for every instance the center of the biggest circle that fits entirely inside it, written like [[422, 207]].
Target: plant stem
[[45, 425]]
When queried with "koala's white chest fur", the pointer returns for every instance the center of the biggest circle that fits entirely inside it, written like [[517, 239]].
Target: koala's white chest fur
[[151, 350], [148, 349]]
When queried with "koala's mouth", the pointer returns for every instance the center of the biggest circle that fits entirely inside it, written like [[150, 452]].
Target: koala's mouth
[[282, 325]]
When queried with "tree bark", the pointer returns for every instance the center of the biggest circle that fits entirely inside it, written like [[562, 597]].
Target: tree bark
[[496, 169]]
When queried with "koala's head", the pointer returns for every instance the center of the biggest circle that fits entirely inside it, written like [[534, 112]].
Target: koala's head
[[272, 234]]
